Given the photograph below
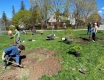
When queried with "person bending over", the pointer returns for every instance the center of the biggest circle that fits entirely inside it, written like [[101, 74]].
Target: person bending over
[[12, 52]]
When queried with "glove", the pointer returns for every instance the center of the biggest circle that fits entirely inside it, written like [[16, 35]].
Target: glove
[[3, 58]]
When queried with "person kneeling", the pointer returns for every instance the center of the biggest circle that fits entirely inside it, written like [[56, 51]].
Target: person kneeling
[[12, 52]]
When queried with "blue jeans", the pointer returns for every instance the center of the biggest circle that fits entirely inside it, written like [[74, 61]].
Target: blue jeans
[[7, 57], [89, 31]]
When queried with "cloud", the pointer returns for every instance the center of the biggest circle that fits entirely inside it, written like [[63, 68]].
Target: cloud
[[102, 8], [100, 11]]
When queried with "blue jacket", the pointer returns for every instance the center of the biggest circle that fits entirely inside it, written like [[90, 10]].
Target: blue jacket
[[13, 51]]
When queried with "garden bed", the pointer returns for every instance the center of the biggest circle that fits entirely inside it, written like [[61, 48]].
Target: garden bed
[[38, 62]]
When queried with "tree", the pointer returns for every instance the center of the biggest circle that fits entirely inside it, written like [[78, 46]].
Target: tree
[[57, 7], [36, 15], [66, 12], [57, 15], [22, 18], [49, 7], [81, 9], [95, 17], [13, 11], [4, 18], [22, 6], [44, 7]]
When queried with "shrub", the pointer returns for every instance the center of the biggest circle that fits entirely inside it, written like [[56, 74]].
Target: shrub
[[69, 34], [75, 48], [10, 27]]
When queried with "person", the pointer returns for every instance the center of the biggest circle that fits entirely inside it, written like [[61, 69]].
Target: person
[[10, 34], [32, 30], [17, 34], [24, 31], [64, 24], [13, 53], [94, 31], [89, 28], [98, 25]]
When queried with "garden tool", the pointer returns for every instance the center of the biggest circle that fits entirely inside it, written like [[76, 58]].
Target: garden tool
[[8, 61], [101, 69], [14, 40], [82, 70]]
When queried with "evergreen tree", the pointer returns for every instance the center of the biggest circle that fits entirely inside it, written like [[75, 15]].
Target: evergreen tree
[[4, 18], [13, 11], [22, 6], [36, 14]]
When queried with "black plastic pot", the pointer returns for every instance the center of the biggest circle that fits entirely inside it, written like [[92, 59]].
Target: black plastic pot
[[77, 54], [69, 42]]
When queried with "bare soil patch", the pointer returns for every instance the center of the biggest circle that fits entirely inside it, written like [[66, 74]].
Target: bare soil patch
[[82, 40], [38, 62], [85, 40]]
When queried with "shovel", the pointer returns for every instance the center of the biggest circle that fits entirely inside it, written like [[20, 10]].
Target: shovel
[[82, 70], [101, 69], [15, 64], [14, 40]]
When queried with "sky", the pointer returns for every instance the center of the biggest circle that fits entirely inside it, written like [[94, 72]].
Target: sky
[[100, 7], [6, 6]]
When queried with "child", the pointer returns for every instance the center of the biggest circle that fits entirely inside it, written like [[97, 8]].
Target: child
[[17, 34], [94, 31], [10, 33], [32, 30]]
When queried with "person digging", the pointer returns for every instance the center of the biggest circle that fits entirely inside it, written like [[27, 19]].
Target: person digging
[[13, 53]]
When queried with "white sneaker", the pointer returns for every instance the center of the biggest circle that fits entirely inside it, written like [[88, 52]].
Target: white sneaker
[[93, 40]]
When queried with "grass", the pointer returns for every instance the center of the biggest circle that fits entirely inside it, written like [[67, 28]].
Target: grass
[[91, 55]]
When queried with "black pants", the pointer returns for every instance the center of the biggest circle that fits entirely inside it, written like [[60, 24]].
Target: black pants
[[93, 36]]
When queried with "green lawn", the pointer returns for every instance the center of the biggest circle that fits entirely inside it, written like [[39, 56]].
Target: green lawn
[[91, 55]]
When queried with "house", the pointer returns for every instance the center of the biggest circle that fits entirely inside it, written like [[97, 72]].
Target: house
[[62, 19], [71, 19]]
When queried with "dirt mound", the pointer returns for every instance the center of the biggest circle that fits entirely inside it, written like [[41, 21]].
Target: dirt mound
[[49, 66], [38, 62], [42, 51]]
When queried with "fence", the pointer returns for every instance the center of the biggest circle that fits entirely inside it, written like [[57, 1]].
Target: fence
[[2, 27]]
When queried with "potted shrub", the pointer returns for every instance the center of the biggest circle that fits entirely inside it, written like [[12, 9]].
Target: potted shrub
[[76, 50]]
